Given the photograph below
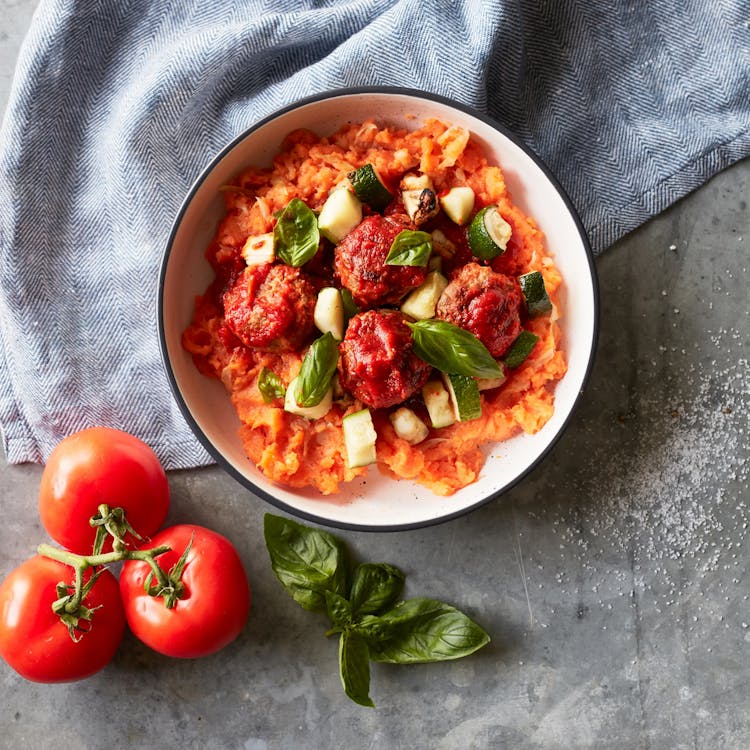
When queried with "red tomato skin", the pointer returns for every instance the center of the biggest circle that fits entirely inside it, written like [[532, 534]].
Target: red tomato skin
[[216, 603], [33, 639], [101, 465]]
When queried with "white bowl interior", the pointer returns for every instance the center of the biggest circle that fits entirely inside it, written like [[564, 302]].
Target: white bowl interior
[[375, 502]]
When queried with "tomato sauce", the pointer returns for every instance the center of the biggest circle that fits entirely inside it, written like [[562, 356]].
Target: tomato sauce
[[253, 319]]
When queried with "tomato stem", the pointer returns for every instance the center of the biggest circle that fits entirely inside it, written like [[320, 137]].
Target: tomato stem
[[104, 558], [69, 604], [112, 522]]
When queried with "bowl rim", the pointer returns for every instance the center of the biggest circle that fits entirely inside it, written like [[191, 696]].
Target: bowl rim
[[263, 493]]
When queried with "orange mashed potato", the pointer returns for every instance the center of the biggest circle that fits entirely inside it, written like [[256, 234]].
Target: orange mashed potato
[[298, 452]]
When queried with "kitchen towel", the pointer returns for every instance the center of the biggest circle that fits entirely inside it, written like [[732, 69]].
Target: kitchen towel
[[117, 105]]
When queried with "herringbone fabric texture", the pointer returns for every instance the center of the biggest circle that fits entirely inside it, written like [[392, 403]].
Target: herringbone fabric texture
[[117, 105]]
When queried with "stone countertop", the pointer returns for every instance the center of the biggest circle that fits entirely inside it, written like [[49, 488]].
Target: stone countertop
[[613, 580]]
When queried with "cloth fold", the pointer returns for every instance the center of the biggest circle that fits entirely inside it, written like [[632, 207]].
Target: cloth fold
[[117, 105]]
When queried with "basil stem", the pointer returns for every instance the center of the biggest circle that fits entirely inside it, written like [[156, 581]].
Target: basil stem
[[270, 385], [452, 350], [410, 248], [296, 235]]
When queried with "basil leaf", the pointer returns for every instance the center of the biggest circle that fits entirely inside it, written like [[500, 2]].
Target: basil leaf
[[410, 248], [375, 587], [308, 562], [373, 628], [452, 350], [270, 385], [317, 370], [296, 236], [354, 668], [425, 630], [338, 609]]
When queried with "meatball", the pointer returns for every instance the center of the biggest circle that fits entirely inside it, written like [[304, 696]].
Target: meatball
[[271, 307], [377, 363], [359, 261], [484, 302]]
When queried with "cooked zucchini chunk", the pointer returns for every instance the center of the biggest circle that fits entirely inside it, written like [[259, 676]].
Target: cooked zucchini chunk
[[535, 293], [310, 412], [438, 402], [488, 233], [520, 349], [329, 312], [359, 438], [420, 303], [443, 247], [408, 426], [464, 396], [259, 249], [419, 198], [341, 212], [458, 203], [369, 187]]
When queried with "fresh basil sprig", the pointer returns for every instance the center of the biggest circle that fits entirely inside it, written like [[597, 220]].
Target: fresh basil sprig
[[295, 234], [307, 564], [270, 385], [317, 369], [313, 566], [452, 349], [410, 248]]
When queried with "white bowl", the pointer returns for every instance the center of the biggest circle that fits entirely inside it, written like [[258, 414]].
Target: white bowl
[[374, 503]]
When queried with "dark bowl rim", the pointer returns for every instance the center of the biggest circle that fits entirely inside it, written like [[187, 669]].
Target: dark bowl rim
[[261, 492]]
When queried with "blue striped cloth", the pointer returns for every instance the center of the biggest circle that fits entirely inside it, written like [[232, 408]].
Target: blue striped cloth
[[117, 105]]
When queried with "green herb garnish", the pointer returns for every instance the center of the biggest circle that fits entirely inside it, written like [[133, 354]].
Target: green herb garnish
[[316, 372], [410, 248], [296, 235], [313, 566], [270, 385], [452, 349]]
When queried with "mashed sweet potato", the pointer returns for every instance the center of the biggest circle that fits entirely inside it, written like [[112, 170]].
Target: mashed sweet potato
[[300, 452]]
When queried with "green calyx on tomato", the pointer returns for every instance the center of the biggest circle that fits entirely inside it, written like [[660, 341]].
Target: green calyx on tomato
[[170, 588], [111, 523]]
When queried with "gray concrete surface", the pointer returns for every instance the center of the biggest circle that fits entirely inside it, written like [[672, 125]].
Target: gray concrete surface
[[614, 580]]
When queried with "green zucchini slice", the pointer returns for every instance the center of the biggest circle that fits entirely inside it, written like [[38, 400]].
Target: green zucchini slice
[[488, 233], [369, 187], [464, 395], [520, 349], [535, 293]]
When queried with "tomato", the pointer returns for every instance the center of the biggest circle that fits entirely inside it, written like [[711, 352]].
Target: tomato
[[34, 640], [215, 602], [101, 465]]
